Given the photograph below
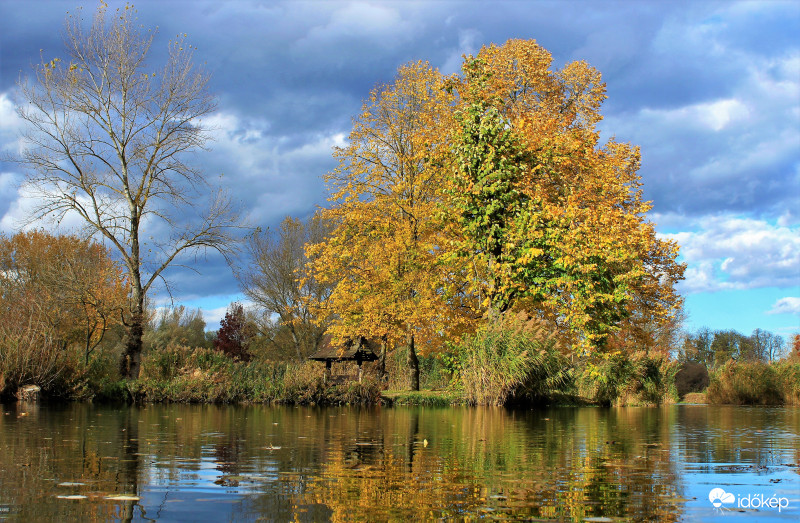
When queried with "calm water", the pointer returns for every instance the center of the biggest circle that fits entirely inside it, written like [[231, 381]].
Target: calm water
[[209, 463]]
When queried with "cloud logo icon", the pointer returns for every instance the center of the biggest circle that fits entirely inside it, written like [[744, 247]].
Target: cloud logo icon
[[718, 496]]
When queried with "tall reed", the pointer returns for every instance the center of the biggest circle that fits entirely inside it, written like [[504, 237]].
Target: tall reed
[[756, 383], [503, 362]]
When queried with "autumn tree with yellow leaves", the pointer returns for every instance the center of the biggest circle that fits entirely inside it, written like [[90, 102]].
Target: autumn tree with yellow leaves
[[383, 254], [556, 217], [465, 197]]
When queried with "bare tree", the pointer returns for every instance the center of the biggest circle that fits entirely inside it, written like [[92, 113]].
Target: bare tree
[[279, 282], [766, 345], [108, 139]]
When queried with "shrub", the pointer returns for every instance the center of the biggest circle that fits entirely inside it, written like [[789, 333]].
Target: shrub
[[789, 378], [304, 385], [756, 383], [198, 375], [29, 355], [637, 379], [746, 383]]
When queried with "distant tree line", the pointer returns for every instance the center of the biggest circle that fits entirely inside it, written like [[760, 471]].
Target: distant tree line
[[715, 348]]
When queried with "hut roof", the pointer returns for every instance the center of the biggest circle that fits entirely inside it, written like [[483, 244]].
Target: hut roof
[[350, 350]]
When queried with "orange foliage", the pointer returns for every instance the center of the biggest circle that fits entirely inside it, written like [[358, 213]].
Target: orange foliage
[[576, 242], [384, 252], [73, 283]]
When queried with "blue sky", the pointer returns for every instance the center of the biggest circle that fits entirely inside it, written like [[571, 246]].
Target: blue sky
[[709, 90]]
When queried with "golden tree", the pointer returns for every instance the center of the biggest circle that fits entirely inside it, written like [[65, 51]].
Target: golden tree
[[55, 292], [384, 252], [556, 217]]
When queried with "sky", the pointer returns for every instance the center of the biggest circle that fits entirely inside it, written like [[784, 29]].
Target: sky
[[710, 91]]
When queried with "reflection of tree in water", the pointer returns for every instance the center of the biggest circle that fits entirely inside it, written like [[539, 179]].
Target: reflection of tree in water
[[376, 467], [128, 477], [372, 464], [227, 453], [563, 464], [72, 450]]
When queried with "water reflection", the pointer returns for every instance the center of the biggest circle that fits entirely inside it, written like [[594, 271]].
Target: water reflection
[[210, 463]]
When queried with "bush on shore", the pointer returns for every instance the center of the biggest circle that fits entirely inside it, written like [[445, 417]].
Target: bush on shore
[[755, 383], [199, 375], [637, 379], [501, 364]]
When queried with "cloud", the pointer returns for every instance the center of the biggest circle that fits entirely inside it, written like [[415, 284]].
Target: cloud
[[469, 43], [728, 252], [11, 125], [376, 24], [788, 305], [714, 115], [213, 317]]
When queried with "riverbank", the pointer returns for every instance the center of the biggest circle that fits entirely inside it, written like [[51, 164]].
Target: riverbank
[[204, 376]]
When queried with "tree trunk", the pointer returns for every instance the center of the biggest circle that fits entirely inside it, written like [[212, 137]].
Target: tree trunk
[[413, 362], [296, 342], [132, 355], [382, 360]]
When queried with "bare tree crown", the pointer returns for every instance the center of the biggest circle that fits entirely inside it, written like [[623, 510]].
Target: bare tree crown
[[108, 138]]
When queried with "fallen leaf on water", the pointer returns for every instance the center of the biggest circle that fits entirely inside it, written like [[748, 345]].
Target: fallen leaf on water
[[73, 496], [123, 497], [71, 484]]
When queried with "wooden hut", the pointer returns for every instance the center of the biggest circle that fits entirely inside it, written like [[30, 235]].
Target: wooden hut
[[357, 349]]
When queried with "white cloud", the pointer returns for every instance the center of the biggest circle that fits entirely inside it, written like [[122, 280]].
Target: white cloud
[[727, 252], [212, 317], [716, 115], [10, 126], [469, 42], [8, 182], [379, 24], [788, 305]]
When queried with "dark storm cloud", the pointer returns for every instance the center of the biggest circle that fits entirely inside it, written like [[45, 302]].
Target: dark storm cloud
[[708, 89]]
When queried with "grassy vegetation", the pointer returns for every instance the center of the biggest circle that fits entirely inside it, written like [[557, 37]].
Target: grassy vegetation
[[636, 379], [505, 363], [423, 398], [756, 383], [200, 375]]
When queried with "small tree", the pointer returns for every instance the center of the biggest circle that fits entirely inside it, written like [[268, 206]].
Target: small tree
[[107, 140], [234, 334], [80, 290], [56, 293], [766, 345], [177, 325]]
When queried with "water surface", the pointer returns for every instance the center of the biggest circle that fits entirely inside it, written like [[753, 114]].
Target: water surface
[[226, 463]]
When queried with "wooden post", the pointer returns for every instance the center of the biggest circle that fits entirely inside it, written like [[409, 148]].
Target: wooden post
[[327, 376]]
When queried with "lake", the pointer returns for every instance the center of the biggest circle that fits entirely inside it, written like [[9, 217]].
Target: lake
[[82, 462]]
